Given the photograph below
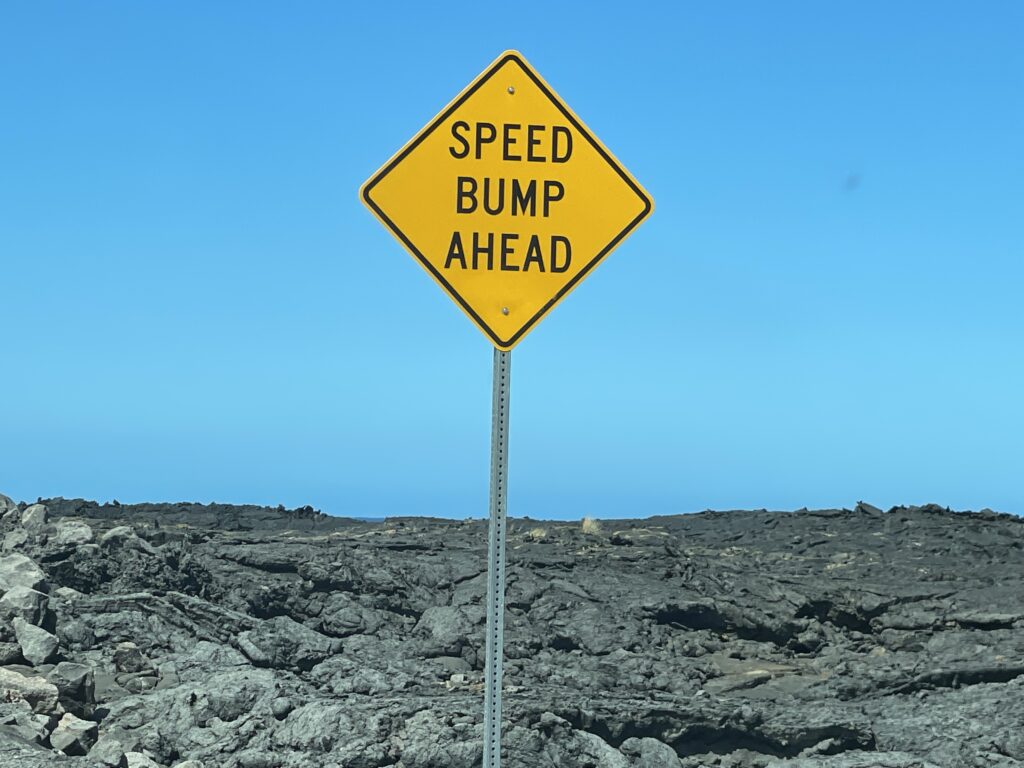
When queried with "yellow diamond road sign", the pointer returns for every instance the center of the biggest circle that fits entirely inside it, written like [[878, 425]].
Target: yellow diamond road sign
[[507, 199]]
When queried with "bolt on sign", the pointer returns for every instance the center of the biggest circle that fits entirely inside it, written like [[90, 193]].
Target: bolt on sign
[[507, 199]]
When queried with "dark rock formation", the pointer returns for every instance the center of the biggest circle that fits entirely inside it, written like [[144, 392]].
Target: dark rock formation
[[246, 637]]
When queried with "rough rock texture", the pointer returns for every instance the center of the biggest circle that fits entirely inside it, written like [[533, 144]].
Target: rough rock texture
[[249, 637]]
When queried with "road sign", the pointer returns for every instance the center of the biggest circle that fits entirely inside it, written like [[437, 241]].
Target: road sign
[[507, 199]]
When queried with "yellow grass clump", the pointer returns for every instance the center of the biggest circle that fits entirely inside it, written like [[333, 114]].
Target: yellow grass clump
[[591, 526]]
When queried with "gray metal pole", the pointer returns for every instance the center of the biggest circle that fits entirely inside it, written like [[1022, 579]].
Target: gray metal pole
[[496, 562]]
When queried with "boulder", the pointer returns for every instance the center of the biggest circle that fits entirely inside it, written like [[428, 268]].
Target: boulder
[[17, 570], [73, 736], [128, 658], [72, 533], [37, 645], [34, 518], [108, 753], [28, 604], [649, 753], [14, 540], [10, 653], [117, 535], [139, 760], [283, 643], [40, 695], [25, 725], [76, 686]]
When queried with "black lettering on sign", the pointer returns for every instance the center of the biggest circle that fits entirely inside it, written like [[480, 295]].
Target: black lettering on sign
[[494, 210], [555, 266], [479, 250], [465, 197], [463, 125], [506, 251], [484, 130], [553, 192], [533, 255], [531, 142], [541, 145], [558, 257], [524, 200], [509, 141], [455, 252], [556, 157]]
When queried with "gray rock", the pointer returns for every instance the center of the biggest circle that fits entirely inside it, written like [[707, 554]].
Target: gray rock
[[10, 653], [76, 687], [139, 760], [128, 658], [117, 535], [282, 642], [649, 753], [124, 536], [6, 504], [72, 533], [281, 707], [73, 736], [108, 753], [34, 518], [858, 760], [17, 718], [40, 695], [828, 638], [17, 570], [25, 603], [37, 645], [15, 539]]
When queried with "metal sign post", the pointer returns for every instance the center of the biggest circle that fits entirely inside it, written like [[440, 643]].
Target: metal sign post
[[508, 201], [496, 561]]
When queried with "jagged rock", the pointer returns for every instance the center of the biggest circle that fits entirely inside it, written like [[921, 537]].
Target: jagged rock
[[446, 627], [9, 652], [125, 536], [128, 658], [117, 535], [17, 718], [34, 518], [139, 760], [76, 686], [72, 533], [25, 603], [37, 645], [857, 760], [820, 638], [15, 539], [17, 570], [73, 736], [39, 694], [108, 753], [283, 643], [7, 504], [649, 753], [75, 634]]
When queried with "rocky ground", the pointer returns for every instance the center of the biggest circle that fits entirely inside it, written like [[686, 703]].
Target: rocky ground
[[218, 636]]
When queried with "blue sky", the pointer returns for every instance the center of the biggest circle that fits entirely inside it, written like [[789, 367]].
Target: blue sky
[[824, 307]]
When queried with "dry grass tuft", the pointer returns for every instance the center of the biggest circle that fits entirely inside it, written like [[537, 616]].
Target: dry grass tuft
[[537, 534], [591, 526]]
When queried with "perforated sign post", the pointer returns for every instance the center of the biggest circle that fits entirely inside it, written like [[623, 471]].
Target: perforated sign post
[[508, 201]]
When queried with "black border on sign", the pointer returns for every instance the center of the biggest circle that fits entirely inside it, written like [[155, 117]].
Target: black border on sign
[[368, 188]]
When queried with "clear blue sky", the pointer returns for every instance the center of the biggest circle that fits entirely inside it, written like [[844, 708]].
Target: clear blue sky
[[826, 305]]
